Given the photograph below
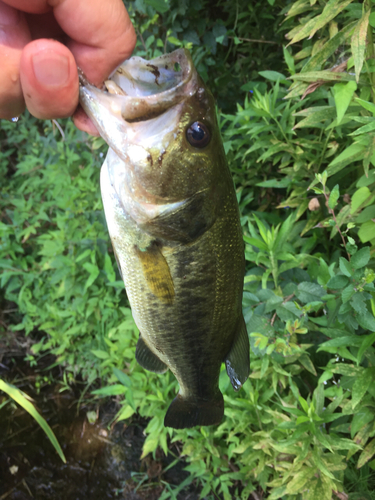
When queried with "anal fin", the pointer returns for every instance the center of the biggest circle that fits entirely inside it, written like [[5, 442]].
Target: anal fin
[[237, 360], [147, 359]]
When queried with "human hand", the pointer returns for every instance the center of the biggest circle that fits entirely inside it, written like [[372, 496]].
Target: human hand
[[43, 41]]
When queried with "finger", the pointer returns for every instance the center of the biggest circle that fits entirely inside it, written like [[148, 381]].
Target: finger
[[49, 79], [14, 35], [101, 33]]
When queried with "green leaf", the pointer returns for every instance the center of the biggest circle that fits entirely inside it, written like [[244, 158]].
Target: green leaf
[[358, 43], [367, 231], [343, 93], [366, 321], [307, 364], [362, 417], [337, 282], [331, 10], [359, 197], [354, 152], [348, 340], [100, 353], [367, 105], [297, 483], [21, 398], [122, 377], [366, 454], [367, 341], [360, 258], [309, 292], [273, 75], [360, 387], [333, 197], [159, 5], [110, 390], [345, 267], [321, 56]]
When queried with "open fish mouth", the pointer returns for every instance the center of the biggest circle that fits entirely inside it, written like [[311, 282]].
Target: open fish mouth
[[138, 90]]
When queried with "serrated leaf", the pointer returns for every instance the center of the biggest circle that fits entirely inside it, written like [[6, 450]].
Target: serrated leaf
[[345, 267], [366, 321], [360, 258], [337, 282], [358, 43], [309, 292]]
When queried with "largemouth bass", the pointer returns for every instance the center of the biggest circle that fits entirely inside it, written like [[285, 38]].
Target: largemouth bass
[[173, 220]]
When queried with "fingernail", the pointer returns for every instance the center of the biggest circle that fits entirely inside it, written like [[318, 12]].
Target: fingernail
[[8, 15], [51, 69]]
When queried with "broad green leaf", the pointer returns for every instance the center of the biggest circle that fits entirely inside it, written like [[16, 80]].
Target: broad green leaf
[[367, 231], [354, 152], [346, 369], [359, 197], [367, 214], [21, 398], [360, 387], [369, 154], [366, 454], [337, 282], [333, 197], [309, 292], [362, 417], [358, 43], [367, 341], [343, 94], [345, 267], [360, 258], [366, 321]]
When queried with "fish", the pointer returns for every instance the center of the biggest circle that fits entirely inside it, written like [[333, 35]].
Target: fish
[[173, 219]]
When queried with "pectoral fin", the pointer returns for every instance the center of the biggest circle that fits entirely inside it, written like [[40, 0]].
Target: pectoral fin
[[157, 273], [237, 361], [147, 359], [186, 222]]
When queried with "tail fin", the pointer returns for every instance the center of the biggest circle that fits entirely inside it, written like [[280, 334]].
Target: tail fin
[[184, 413]]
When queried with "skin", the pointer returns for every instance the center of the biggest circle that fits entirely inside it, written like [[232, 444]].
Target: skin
[[43, 41]]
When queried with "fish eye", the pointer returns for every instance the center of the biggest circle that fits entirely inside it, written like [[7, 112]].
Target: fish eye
[[198, 135]]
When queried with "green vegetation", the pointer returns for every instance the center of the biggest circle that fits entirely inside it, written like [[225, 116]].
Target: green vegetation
[[298, 124]]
